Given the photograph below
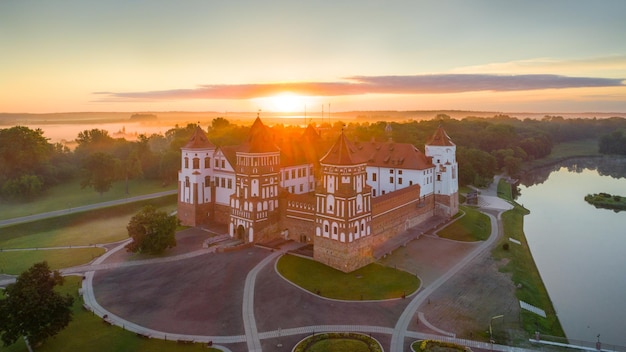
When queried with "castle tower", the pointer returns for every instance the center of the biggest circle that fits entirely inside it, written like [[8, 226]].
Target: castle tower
[[446, 183], [343, 217], [254, 205], [195, 194]]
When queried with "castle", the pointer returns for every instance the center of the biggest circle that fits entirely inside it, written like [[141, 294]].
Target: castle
[[345, 201]]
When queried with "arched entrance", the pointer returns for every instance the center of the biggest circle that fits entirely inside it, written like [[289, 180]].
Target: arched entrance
[[241, 232]]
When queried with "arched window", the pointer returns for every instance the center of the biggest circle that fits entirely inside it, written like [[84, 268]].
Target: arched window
[[186, 162], [207, 163], [187, 181]]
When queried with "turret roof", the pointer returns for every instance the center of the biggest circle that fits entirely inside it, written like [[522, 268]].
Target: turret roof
[[259, 140], [440, 138], [343, 153], [199, 140]]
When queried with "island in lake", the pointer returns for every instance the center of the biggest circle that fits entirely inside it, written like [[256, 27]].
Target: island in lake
[[606, 201]]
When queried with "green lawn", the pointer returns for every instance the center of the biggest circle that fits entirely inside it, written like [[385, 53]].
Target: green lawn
[[70, 195], [561, 151], [92, 227], [474, 226], [16, 262], [505, 190], [372, 282], [521, 265], [339, 345], [87, 332]]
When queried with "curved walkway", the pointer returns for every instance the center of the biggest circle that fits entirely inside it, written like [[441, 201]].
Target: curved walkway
[[252, 336]]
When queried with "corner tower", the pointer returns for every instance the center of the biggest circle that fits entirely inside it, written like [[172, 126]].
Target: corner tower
[[446, 184], [195, 195], [343, 217], [254, 205]]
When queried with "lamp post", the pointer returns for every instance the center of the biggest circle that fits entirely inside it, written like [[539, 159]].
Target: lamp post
[[490, 330]]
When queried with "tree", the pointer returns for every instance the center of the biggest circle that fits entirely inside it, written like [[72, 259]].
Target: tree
[[152, 231], [98, 172], [25, 187], [23, 152], [32, 308]]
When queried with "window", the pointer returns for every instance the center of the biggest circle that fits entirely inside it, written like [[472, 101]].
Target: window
[[223, 182], [207, 181], [334, 230], [230, 183], [217, 181], [374, 177], [186, 162], [438, 177], [293, 173], [399, 172], [187, 181], [207, 163], [383, 192], [373, 192], [223, 163], [217, 163], [286, 175], [301, 187], [391, 171], [399, 180], [410, 183], [390, 179], [326, 228], [196, 163]]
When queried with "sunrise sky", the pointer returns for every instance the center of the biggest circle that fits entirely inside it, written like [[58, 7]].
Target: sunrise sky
[[153, 55]]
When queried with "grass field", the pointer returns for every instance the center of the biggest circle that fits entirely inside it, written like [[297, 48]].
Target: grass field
[[474, 226], [87, 332], [92, 227], [562, 151], [70, 195], [521, 265], [372, 282], [15, 263]]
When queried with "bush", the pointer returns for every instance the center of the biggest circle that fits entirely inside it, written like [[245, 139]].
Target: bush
[[505, 246]]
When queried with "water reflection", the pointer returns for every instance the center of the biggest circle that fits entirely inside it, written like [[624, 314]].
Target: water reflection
[[613, 166], [578, 249]]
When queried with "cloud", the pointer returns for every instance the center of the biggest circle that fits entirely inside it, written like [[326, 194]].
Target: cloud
[[359, 85]]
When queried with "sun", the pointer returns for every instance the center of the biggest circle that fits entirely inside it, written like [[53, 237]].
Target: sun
[[283, 102], [287, 102]]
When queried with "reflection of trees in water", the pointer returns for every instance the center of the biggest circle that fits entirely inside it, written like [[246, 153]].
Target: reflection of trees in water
[[614, 166]]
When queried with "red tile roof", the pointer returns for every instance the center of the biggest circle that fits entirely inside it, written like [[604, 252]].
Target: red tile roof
[[393, 155], [343, 152], [199, 140], [440, 138], [259, 140]]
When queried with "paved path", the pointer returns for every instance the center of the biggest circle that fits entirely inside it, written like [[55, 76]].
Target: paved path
[[252, 336], [56, 213]]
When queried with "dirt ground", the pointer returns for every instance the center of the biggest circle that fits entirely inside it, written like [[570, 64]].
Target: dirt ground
[[465, 304]]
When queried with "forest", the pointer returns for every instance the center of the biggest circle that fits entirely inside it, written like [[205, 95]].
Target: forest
[[30, 164]]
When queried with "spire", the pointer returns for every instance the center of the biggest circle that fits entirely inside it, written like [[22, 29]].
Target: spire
[[259, 139], [342, 153], [199, 140], [440, 138]]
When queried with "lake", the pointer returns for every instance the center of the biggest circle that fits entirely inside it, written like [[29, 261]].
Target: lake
[[579, 250]]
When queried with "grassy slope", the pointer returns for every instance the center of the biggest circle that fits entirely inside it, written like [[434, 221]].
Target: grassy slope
[[69, 195], [521, 265], [474, 226], [96, 226], [15, 263], [372, 282]]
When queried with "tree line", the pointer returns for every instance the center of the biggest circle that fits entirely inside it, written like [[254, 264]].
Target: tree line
[[30, 164]]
